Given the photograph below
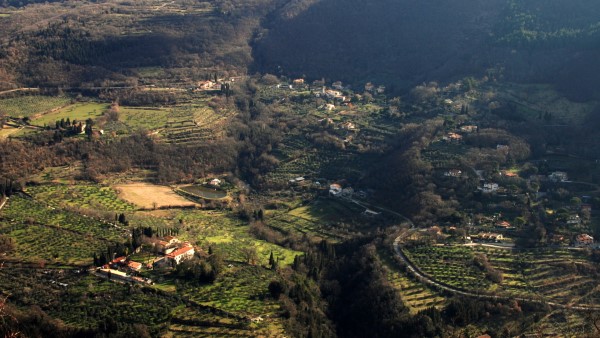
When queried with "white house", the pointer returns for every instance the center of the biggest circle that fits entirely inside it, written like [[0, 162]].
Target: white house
[[468, 129], [215, 182], [574, 219], [490, 187], [335, 189], [559, 176], [181, 254], [452, 137], [297, 180], [453, 173], [491, 236], [348, 126]]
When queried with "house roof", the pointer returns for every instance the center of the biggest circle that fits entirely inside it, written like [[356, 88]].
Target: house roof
[[119, 259], [490, 235], [134, 265], [180, 251]]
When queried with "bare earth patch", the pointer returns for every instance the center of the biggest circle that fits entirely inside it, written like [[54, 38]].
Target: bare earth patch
[[149, 196]]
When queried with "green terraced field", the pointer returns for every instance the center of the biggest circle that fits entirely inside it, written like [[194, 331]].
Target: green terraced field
[[546, 273], [241, 290], [149, 118]]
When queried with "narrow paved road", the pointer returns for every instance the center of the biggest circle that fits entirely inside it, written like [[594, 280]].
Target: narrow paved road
[[3, 202], [425, 279], [19, 90]]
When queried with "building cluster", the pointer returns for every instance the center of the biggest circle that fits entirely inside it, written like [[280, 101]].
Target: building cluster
[[584, 240], [174, 252], [124, 269], [336, 190]]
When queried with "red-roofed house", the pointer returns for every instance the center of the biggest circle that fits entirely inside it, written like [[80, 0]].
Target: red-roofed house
[[503, 224], [119, 260], [206, 85], [584, 239], [335, 189], [134, 265], [171, 239], [453, 137], [181, 254]]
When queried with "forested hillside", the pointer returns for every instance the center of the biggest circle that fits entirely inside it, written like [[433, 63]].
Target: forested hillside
[[77, 43], [383, 41], [396, 43], [403, 43]]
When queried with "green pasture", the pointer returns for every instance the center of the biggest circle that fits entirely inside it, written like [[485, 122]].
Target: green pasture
[[150, 71], [8, 131], [79, 111], [30, 105]]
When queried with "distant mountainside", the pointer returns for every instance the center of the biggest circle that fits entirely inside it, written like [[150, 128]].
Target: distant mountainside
[[392, 41], [398, 43], [74, 43], [401, 43]]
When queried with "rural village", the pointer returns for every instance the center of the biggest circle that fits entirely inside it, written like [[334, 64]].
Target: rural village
[[486, 186]]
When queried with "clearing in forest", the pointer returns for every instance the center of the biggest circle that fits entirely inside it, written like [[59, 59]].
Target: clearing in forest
[[150, 196]]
